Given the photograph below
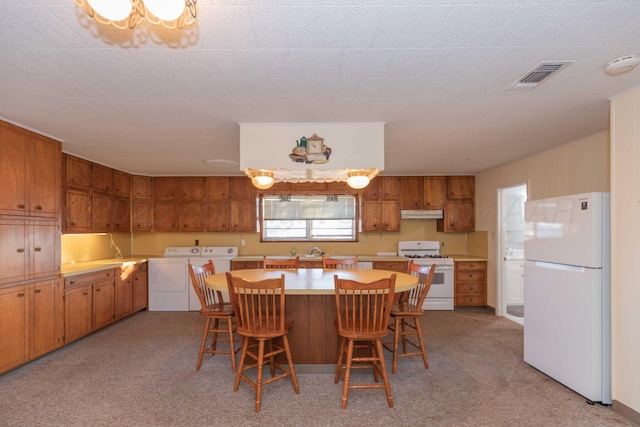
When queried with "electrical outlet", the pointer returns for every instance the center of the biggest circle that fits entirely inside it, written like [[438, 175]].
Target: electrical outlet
[[243, 242]]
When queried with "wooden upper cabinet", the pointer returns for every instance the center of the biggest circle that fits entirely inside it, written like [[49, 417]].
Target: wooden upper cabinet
[[166, 188], [121, 183], [192, 216], [461, 187], [191, 188], [166, 216], [121, 214], [241, 189], [308, 186], [217, 216], [459, 216], [31, 167], [435, 192], [242, 216], [101, 213], [411, 189], [77, 172], [372, 191], [141, 187], [77, 217], [141, 215], [217, 188], [101, 178], [389, 187]]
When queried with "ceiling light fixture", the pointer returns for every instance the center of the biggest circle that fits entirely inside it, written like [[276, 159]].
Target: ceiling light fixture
[[125, 14], [622, 65], [358, 179], [262, 179]]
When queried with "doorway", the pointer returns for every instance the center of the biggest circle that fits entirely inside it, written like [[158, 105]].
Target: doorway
[[511, 251]]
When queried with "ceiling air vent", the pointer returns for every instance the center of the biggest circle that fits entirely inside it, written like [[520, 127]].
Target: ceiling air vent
[[539, 74]]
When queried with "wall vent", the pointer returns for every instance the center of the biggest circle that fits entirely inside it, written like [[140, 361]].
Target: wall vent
[[539, 74]]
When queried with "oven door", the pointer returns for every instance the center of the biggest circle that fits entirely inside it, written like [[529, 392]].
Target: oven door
[[440, 296]]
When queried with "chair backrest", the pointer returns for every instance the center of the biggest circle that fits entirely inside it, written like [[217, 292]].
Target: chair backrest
[[207, 296], [276, 263], [340, 263], [415, 297], [258, 305], [363, 308]]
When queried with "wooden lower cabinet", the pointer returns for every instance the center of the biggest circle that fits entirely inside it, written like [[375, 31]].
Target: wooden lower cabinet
[[124, 292], [140, 288], [470, 283], [77, 310], [30, 322], [104, 303]]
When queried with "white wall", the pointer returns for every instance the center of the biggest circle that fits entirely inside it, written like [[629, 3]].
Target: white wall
[[625, 245]]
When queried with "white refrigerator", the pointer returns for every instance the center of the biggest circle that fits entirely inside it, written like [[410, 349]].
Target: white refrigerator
[[567, 296]]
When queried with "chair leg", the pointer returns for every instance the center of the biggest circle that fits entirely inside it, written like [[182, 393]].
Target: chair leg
[[385, 376], [421, 342], [259, 377], [232, 345], [403, 327], [243, 355], [214, 342], [396, 338], [341, 353], [287, 350], [347, 374], [203, 342]]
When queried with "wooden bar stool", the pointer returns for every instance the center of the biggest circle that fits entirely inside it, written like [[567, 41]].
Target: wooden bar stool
[[329, 263], [280, 263], [363, 316], [260, 314], [214, 309], [405, 316]]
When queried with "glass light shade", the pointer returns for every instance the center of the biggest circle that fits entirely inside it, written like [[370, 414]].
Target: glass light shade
[[167, 10], [113, 10], [263, 180], [357, 180]]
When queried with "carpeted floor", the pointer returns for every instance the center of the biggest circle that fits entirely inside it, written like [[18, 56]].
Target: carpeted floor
[[141, 372]]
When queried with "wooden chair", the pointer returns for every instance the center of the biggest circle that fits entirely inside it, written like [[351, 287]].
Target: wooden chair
[[363, 315], [260, 315], [213, 309], [405, 314], [280, 263], [340, 263]]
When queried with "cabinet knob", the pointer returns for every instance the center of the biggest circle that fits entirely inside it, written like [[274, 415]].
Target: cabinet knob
[[20, 294], [37, 291], [20, 250], [85, 293], [38, 208], [98, 290], [37, 249], [71, 282], [21, 206]]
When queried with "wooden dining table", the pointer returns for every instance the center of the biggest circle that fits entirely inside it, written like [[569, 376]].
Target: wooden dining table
[[311, 304]]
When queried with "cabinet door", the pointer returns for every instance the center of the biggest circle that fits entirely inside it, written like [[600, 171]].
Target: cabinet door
[[372, 191], [165, 188], [390, 216], [14, 251], [78, 212], [140, 290], [45, 249], [101, 178], [241, 189], [43, 337], [46, 167], [13, 166], [435, 191], [102, 212], [217, 216], [13, 327], [77, 172], [165, 216], [141, 215], [124, 296], [104, 310], [192, 217], [121, 214], [389, 187], [243, 216], [191, 189], [121, 183], [141, 187], [461, 187], [411, 192], [459, 216], [371, 215], [217, 188], [77, 312]]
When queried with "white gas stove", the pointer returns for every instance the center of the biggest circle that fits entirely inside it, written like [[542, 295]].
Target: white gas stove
[[425, 253]]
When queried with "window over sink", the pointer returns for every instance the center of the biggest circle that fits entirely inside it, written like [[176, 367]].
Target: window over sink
[[308, 218]]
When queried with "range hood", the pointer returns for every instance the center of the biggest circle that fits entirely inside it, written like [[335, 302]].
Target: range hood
[[422, 214]]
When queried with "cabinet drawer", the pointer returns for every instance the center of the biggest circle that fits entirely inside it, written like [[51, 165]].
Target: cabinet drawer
[[470, 300], [245, 265], [470, 265], [141, 267], [470, 288], [400, 266], [470, 276], [86, 279]]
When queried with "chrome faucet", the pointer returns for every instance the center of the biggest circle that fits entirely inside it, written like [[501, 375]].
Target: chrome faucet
[[314, 250]]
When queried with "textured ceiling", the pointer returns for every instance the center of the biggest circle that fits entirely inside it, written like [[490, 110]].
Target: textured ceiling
[[436, 72]]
